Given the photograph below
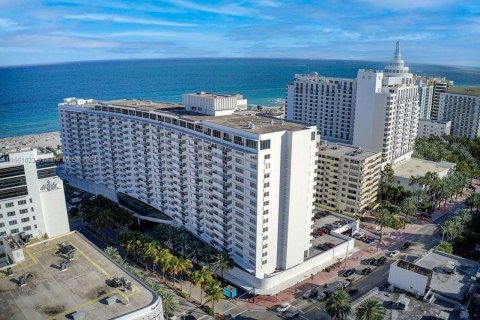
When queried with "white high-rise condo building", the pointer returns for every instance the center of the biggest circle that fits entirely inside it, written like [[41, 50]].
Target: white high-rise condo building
[[32, 200], [328, 103], [427, 128], [386, 111], [440, 85], [241, 182], [425, 100], [461, 106]]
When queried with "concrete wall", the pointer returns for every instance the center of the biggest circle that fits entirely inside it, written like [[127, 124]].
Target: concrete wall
[[279, 281]]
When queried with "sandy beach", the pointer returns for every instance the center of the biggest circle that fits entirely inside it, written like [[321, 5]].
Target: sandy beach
[[41, 140]]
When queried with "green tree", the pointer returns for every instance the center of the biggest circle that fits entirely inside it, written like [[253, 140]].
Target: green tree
[[409, 208], [338, 306], [200, 278], [184, 267], [169, 302], [221, 262], [214, 292], [370, 309], [444, 247], [113, 253], [384, 218]]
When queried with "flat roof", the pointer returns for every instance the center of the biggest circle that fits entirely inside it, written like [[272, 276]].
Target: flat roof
[[55, 294], [451, 285], [251, 122], [244, 120], [342, 150], [469, 91], [213, 95], [419, 167]]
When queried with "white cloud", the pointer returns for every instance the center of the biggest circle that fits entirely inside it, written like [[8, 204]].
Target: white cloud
[[9, 25], [222, 9], [123, 19]]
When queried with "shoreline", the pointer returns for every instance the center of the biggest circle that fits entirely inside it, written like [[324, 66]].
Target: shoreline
[[39, 140]]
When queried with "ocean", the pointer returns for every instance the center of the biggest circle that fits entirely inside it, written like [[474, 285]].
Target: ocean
[[29, 95]]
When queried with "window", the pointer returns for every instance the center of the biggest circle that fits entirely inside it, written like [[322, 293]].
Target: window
[[266, 184], [266, 194], [22, 202], [12, 223], [25, 219], [216, 134], [265, 144], [14, 231], [264, 262], [265, 203], [23, 211], [264, 254], [267, 156], [266, 175], [9, 205], [10, 214], [27, 228], [312, 136], [2, 224], [251, 144]]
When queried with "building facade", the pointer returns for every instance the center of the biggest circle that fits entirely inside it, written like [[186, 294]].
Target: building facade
[[32, 198], [328, 103], [386, 111], [425, 97], [440, 85], [241, 182], [347, 178], [461, 106], [427, 128]]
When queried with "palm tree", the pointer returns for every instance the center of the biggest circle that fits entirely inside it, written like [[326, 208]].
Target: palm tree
[[338, 305], [195, 250], [184, 266], [181, 243], [164, 258], [409, 208], [201, 277], [104, 220], [169, 301], [113, 253], [172, 267], [221, 262], [214, 292], [384, 218], [151, 250], [413, 182], [370, 309], [165, 234]]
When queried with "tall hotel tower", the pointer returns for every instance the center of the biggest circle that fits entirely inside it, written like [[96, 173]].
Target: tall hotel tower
[[387, 111], [328, 103], [241, 182]]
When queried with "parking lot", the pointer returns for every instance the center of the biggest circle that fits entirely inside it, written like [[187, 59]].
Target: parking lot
[[327, 222]]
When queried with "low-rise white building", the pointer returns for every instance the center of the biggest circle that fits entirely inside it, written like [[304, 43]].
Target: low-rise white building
[[32, 199], [415, 167], [427, 128]]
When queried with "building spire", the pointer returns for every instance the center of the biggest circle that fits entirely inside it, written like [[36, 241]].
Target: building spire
[[398, 55]]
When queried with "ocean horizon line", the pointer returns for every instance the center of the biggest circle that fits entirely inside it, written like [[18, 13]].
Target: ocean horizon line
[[42, 64]]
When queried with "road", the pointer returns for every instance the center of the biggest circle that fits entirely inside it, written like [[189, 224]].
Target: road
[[423, 240]]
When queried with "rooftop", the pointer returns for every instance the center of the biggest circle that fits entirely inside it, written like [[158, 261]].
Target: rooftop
[[244, 120], [451, 285], [54, 294], [213, 95], [469, 91], [419, 167], [343, 150]]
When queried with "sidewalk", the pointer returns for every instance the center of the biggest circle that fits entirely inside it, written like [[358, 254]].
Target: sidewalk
[[391, 237]]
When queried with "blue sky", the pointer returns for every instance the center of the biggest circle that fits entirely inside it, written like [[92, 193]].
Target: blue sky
[[430, 31]]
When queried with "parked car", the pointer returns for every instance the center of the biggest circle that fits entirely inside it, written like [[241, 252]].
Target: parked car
[[322, 296], [380, 261], [329, 244], [394, 253], [323, 247], [366, 271], [406, 245], [290, 314], [359, 235], [283, 307], [318, 233], [310, 294], [349, 272], [325, 229], [352, 290], [369, 261]]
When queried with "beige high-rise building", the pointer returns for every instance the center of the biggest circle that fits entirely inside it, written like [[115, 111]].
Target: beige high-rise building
[[347, 177]]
